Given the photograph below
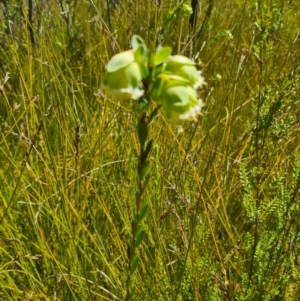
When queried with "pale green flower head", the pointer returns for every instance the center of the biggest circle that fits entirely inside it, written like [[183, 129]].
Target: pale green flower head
[[124, 75], [184, 67], [181, 102], [164, 81]]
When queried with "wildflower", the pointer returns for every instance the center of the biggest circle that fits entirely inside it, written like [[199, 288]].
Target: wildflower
[[180, 102], [185, 68], [124, 75], [175, 88]]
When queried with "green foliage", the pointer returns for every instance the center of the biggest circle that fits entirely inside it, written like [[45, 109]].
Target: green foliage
[[270, 184], [222, 214]]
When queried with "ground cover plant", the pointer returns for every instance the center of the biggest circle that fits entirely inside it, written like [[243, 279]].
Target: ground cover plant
[[223, 192]]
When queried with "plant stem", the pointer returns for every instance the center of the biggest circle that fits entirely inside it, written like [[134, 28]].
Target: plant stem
[[142, 160]]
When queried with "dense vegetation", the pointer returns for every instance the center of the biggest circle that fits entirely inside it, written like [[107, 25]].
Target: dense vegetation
[[224, 208]]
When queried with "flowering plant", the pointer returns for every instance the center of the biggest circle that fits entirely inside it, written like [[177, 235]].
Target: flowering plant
[[171, 81]]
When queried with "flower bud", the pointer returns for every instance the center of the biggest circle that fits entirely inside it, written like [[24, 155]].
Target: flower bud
[[124, 75]]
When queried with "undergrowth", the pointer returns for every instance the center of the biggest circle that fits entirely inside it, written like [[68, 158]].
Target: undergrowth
[[223, 220]]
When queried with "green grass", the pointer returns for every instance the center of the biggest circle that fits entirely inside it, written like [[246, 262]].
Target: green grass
[[224, 201]]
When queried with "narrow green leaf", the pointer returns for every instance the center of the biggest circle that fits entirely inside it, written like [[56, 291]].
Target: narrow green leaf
[[154, 113], [146, 168], [144, 69], [129, 249], [143, 103], [157, 70], [147, 150], [143, 212], [161, 55], [142, 132], [144, 202], [133, 215], [129, 284], [139, 237], [134, 263], [139, 229], [145, 184]]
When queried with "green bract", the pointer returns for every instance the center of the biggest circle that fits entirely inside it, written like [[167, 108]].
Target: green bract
[[181, 102], [185, 68], [161, 55], [177, 96], [124, 75]]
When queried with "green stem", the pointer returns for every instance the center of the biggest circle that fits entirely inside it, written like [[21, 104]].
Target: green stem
[[142, 128]]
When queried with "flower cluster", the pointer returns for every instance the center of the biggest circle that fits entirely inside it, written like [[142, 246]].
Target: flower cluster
[[171, 81]]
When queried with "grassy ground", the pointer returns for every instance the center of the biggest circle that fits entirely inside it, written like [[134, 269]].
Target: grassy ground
[[224, 216]]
